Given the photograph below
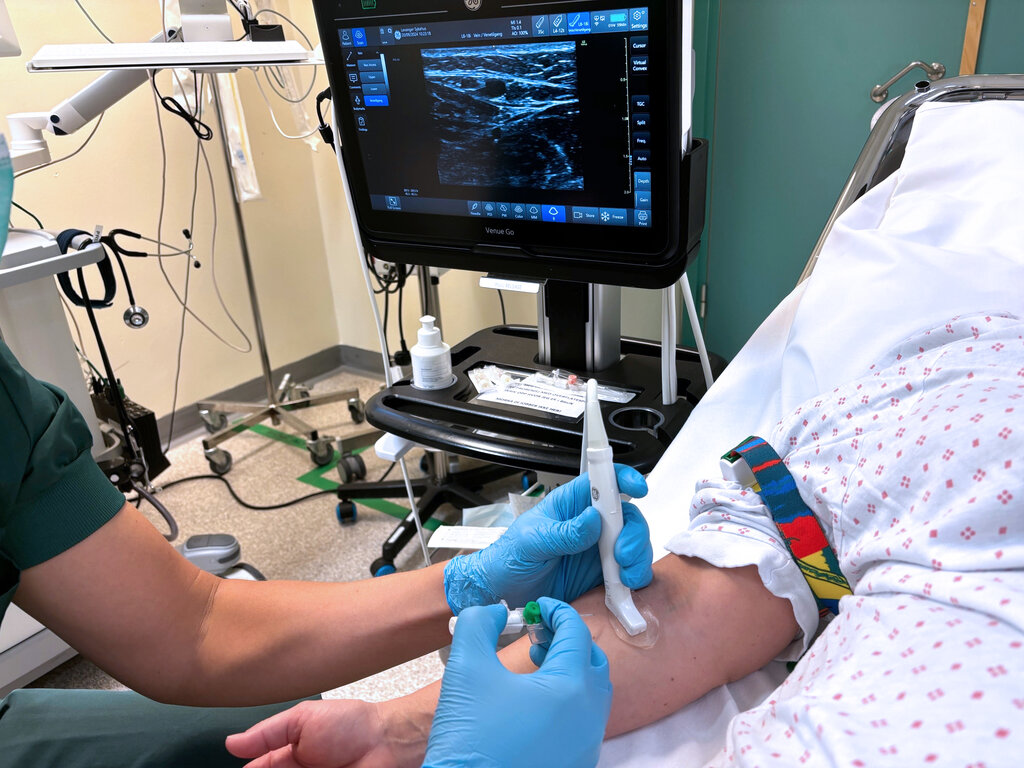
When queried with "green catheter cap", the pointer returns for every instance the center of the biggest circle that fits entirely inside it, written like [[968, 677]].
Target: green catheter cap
[[531, 613]]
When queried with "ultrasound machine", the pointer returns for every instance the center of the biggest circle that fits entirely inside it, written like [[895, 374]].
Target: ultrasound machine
[[538, 142]]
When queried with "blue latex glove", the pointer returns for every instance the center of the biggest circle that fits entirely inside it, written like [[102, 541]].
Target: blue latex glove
[[552, 550], [489, 717]]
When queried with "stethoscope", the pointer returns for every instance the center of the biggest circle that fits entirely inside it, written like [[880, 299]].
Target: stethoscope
[[110, 240], [135, 316]]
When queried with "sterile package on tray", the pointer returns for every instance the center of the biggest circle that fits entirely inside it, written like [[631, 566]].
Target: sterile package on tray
[[555, 392]]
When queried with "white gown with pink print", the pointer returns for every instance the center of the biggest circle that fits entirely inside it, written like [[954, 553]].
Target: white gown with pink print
[[916, 472]]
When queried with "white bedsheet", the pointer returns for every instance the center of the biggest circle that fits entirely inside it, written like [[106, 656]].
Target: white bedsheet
[[942, 236]]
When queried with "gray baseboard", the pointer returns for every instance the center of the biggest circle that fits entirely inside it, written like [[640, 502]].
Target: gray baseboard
[[308, 370], [362, 360]]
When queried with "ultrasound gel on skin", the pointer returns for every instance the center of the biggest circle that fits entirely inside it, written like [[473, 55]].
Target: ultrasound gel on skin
[[431, 358]]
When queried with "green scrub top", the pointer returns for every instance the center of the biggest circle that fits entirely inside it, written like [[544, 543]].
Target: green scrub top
[[52, 493]]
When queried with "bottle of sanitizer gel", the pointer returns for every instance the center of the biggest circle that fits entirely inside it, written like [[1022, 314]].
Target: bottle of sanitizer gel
[[431, 358]]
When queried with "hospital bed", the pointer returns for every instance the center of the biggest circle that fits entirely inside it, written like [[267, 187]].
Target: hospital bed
[[928, 226]]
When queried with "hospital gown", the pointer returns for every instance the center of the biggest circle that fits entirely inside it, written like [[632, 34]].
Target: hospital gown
[[916, 472]]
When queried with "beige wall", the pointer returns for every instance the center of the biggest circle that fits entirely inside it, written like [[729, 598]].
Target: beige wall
[[308, 281], [115, 182]]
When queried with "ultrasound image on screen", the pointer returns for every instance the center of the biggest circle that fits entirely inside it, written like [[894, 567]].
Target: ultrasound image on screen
[[507, 115]]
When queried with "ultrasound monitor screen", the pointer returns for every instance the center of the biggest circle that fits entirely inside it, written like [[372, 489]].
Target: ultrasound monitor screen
[[541, 130], [506, 115]]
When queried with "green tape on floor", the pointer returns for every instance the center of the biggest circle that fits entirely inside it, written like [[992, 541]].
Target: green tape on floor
[[396, 511], [282, 437], [316, 477]]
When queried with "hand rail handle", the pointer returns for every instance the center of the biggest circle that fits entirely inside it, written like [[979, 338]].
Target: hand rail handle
[[935, 70]]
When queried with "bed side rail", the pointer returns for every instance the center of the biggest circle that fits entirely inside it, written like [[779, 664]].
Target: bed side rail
[[883, 151]]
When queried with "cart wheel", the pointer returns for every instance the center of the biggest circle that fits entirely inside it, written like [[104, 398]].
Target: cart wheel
[[529, 478], [351, 468], [321, 451], [382, 567], [219, 460], [357, 410], [346, 513], [214, 421]]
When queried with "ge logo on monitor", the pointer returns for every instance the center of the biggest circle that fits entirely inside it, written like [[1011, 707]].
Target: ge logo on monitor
[[473, 5]]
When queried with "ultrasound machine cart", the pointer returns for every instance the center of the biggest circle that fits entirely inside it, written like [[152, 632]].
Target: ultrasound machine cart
[[546, 142]]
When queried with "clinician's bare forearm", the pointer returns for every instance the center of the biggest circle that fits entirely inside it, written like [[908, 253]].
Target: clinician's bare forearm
[[125, 599], [716, 625], [327, 634]]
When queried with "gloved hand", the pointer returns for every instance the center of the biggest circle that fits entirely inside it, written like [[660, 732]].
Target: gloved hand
[[552, 550], [489, 717]]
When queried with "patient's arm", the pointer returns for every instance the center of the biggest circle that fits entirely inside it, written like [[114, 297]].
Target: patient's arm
[[717, 625]]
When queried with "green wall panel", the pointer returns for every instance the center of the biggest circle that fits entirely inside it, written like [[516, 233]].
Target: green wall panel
[[783, 96]]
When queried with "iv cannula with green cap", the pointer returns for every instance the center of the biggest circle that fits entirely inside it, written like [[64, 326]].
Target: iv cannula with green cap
[[604, 494], [528, 617]]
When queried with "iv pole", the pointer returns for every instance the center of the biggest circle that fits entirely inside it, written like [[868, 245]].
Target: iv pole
[[279, 399], [243, 243]]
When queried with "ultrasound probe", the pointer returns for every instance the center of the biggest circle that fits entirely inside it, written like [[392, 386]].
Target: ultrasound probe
[[604, 493]]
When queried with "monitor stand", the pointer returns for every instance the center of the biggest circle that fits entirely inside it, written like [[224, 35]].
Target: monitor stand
[[441, 485], [454, 420], [579, 325]]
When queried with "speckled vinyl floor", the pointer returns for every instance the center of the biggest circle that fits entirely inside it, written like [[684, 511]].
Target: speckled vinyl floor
[[302, 541]]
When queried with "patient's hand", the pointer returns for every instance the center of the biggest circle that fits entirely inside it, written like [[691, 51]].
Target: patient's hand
[[333, 734]]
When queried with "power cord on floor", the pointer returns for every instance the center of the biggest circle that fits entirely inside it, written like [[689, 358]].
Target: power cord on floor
[[246, 504], [242, 502]]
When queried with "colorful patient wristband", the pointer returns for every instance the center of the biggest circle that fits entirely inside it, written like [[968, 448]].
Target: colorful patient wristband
[[756, 465]]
